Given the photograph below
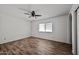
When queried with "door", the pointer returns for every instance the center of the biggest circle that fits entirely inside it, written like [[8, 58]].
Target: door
[[78, 31], [74, 32]]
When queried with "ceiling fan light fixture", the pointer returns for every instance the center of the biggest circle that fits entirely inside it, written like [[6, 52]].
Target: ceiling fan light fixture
[[30, 13]]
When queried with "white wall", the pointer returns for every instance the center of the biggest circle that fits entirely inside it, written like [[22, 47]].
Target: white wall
[[60, 29], [13, 28]]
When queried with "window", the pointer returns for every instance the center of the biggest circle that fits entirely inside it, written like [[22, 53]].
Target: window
[[45, 27], [48, 27], [41, 27]]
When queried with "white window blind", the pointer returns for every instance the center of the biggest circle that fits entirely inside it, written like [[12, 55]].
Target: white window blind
[[48, 27], [45, 27], [41, 27]]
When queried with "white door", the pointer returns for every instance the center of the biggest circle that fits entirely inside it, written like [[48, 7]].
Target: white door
[[78, 31], [74, 32]]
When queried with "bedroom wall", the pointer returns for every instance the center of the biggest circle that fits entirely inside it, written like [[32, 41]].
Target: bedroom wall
[[60, 29], [13, 28]]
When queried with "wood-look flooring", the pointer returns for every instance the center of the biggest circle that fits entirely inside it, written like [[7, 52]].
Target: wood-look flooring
[[35, 46]]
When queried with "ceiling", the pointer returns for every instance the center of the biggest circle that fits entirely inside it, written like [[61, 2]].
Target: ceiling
[[46, 10]]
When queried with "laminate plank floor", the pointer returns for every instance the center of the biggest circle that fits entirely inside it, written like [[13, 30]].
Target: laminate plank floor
[[35, 46]]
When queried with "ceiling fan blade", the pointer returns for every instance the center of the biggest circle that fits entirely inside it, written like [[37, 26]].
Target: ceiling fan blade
[[24, 10], [38, 15], [27, 13]]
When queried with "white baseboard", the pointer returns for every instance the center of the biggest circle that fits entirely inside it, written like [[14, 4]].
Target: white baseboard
[[13, 40]]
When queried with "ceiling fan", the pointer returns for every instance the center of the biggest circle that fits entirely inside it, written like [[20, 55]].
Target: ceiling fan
[[31, 13]]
